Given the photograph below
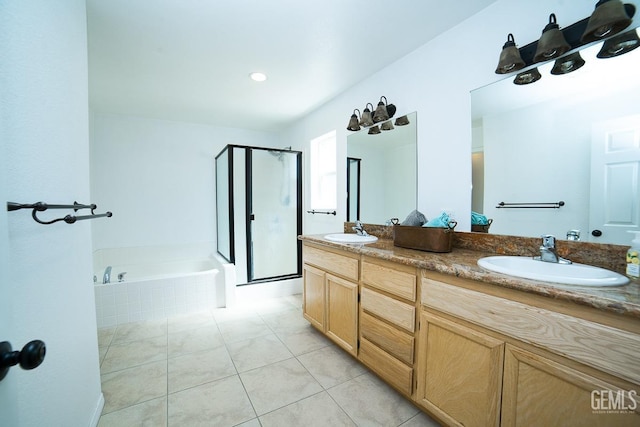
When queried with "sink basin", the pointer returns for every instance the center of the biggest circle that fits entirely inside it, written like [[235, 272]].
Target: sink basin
[[350, 238], [567, 274]]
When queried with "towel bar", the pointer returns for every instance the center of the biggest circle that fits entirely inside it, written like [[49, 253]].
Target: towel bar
[[550, 205]]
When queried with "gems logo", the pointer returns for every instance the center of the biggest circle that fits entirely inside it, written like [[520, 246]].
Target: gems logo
[[613, 402]]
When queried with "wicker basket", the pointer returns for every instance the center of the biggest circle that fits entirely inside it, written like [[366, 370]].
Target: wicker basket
[[430, 239]]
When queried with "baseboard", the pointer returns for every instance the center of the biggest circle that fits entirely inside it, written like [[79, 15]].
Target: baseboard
[[96, 414]]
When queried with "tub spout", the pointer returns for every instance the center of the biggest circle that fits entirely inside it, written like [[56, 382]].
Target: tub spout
[[106, 277]]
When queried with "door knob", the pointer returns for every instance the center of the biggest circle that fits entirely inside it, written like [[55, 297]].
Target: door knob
[[30, 357]]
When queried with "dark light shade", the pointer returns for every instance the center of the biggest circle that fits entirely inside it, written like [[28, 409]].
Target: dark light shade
[[527, 77], [374, 130], [381, 113], [402, 121], [366, 119], [510, 59], [353, 121], [609, 18], [567, 64], [552, 44], [387, 125], [619, 45]]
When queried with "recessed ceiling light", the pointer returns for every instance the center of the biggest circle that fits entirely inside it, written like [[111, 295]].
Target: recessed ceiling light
[[258, 77]]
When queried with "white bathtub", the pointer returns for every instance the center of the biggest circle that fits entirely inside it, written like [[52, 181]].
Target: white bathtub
[[156, 285]]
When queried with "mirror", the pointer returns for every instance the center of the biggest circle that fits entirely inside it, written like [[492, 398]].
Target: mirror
[[573, 138], [386, 165]]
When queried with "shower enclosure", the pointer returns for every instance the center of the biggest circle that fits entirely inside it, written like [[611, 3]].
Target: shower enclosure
[[259, 212]]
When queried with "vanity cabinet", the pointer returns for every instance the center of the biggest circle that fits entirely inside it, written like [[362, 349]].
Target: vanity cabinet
[[459, 372], [388, 299], [485, 359], [471, 353], [540, 391], [330, 297]]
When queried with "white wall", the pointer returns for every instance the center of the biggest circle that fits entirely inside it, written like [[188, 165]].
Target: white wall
[[44, 113], [435, 81], [158, 178]]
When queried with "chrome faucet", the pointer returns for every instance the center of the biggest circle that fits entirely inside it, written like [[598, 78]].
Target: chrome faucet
[[359, 229], [548, 252], [121, 276], [106, 277]]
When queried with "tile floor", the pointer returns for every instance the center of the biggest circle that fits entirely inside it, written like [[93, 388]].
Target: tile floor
[[259, 365]]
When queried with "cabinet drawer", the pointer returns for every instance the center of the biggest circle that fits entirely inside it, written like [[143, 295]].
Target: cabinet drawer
[[390, 280], [399, 344], [603, 347], [330, 261], [396, 312], [388, 367]]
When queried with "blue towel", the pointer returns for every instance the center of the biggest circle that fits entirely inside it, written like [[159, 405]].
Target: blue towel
[[478, 219], [441, 221]]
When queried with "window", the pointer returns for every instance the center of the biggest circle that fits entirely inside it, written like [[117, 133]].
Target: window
[[322, 170]]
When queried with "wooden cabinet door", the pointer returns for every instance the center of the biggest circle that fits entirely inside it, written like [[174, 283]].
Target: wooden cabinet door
[[313, 302], [459, 372], [342, 312], [538, 391]]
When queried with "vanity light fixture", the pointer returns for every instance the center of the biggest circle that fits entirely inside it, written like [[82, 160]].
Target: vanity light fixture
[[353, 121], [620, 44], [567, 64], [381, 113], [527, 77], [510, 59], [374, 130], [609, 18], [387, 125], [366, 119], [402, 121], [552, 44]]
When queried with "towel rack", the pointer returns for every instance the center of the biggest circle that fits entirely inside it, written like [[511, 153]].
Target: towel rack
[[69, 219], [550, 205], [313, 211]]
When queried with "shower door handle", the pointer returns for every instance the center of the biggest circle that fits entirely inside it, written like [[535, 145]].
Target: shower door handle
[[252, 217]]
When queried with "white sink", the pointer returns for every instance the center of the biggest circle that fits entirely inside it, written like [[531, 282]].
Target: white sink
[[567, 274], [350, 238]]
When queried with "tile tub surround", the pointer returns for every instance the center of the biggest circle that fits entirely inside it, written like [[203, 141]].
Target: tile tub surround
[[469, 247], [259, 364]]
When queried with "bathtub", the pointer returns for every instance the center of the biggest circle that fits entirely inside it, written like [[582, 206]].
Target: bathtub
[[159, 282]]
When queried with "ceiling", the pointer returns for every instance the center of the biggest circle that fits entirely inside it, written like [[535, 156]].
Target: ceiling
[[190, 60]]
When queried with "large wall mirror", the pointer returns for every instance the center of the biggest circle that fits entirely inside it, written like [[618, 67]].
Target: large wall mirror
[[573, 138], [382, 173]]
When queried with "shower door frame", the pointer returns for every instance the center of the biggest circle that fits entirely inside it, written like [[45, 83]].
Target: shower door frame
[[249, 214]]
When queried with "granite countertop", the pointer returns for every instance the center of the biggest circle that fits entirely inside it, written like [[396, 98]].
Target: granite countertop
[[460, 262]]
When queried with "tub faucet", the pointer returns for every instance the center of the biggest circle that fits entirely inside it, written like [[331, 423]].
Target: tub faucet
[[121, 276], [548, 252], [359, 229], [106, 277]]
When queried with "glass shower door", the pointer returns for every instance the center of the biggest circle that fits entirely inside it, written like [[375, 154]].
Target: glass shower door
[[274, 213]]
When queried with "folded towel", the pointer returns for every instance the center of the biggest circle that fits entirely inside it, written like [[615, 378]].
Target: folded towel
[[440, 221], [478, 219], [415, 219]]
